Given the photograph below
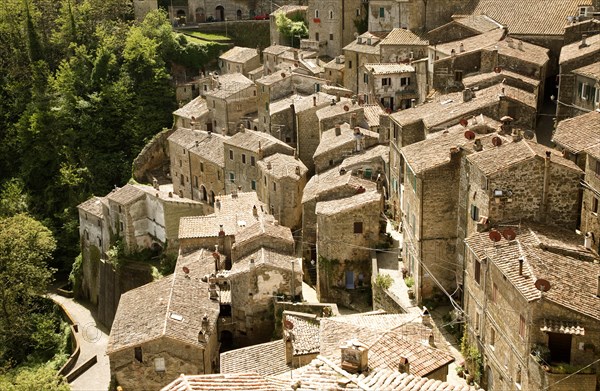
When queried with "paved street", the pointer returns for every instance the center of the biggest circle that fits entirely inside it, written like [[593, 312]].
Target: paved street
[[92, 338]]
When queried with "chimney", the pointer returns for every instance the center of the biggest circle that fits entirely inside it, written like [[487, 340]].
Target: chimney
[[298, 170], [295, 54], [461, 48], [477, 146], [254, 211], [221, 231], [355, 357], [353, 120], [404, 365], [260, 151], [431, 340], [467, 95], [205, 323], [521, 266], [548, 154], [252, 265], [338, 98], [269, 165], [583, 41], [218, 203], [452, 53], [314, 100], [413, 103], [426, 317], [520, 45]]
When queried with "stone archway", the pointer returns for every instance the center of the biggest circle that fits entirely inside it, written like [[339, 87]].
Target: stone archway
[[219, 13], [181, 17], [200, 15], [238, 15]]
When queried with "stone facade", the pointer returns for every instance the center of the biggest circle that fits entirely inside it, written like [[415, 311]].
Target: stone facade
[[231, 102], [394, 86], [589, 208], [239, 60], [334, 71], [363, 50], [346, 230], [331, 24]]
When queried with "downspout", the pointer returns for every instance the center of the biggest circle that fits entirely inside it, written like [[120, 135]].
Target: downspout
[[191, 179], [421, 244], [544, 206]]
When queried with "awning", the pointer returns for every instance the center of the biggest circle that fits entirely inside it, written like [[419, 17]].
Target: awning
[[562, 327]]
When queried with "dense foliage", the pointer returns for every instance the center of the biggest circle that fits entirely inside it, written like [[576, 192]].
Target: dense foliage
[[294, 28], [82, 88]]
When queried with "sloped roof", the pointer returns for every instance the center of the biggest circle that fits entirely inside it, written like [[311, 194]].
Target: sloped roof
[[93, 205], [331, 180], [194, 108], [399, 36], [372, 113], [329, 140], [330, 208], [578, 133], [573, 282], [477, 23], [305, 332], [377, 152], [126, 195], [282, 166], [201, 143], [236, 381], [574, 50], [592, 71], [493, 160], [364, 47], [239, 54], [149, 312], [253, 140], [389, 68], [229, 84], [266, 231], [262, 359], [276, 49], [531, 17], [265, 256]]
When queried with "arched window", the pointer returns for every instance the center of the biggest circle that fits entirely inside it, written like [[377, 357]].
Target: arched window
[[330, 14]]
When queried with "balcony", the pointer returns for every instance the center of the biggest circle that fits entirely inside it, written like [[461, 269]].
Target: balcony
[[560, 376]]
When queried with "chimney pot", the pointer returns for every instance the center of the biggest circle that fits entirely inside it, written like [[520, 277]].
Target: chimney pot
[[520, 266], [314, 100], [583, 41]]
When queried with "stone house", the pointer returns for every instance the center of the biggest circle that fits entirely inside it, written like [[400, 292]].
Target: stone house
[[242, 153], [574, 74], [462, 27], [590, 224], [329, 185], [166, 327], [363, 50], [391, 85], [489, 53], [531, 299], [193, 114], [373, 113], [256, 280], [271, 57], [573, 136], [197, 165], [282, 180], [341, 111], [301, 61], [346, 230], [231, 103], [402, 45], [587, 80], [239, 59], [340, 142], [279, 85], [262, 234], [429, 204], [334, 71], [331, 24]]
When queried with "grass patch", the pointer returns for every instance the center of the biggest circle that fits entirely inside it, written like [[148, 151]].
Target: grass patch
[[207, 37]]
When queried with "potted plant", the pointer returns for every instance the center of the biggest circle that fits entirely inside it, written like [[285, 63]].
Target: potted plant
[[411, 293]]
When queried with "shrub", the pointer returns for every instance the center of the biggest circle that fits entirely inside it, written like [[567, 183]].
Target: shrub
[[384, 281], [409, 281]]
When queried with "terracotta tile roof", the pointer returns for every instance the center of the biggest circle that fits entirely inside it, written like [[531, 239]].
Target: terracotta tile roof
[[265, 256], [151, 311], [335, 63], [93, 206], [209, 147], [557, 326], [234, 213], [329, 140], [282, 166], [372, 113], [423, 359], [493, 160], [263, 229], [451, 108], [276, 49], [574, 50], [236, 381], [307, 102], [389, 68], [325, 374], [435, 150], [592, 71], [573, 282], [339, 108], [195, 108], [253, 140], [263, 359], [229, 85], [364, 47], [126, 195], [473, 80], [332, 180], [578, 133], [478, 23], [399, 36], [532, 17], [594, 151], [330, 208], [239, 54], [305, 332]]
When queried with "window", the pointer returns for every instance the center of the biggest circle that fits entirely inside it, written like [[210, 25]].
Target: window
[[522, 326], [159, 364], [231, 177], [458, 75], [180, 163], [252, 161], [494, 293], [213, 102], [594, 205], [358, 12], [382, 12], [316, 13], [330, 14], [181, 180], [358, 227], [477, 266], [349, 64], [331, 37], [253, 185], [317, 37], [122, 226], [274, 186], [195, 181], [474, 213], [201, 167], [366, 78], [137, 352], [404, 81], [386, 81], [477, 320], [492, 337], [584, 90], [230, 154], [244, 158]]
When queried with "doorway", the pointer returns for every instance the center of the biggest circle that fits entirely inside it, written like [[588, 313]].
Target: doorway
[[220, 13]]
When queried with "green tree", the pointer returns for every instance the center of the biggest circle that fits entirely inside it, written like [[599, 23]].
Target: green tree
[[293, 29], [25, 247]]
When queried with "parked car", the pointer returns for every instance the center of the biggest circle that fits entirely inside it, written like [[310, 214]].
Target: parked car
[[262, 17]]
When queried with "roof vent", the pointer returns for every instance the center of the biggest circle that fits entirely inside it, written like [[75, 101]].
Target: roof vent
[[355, 357], [404, 365]]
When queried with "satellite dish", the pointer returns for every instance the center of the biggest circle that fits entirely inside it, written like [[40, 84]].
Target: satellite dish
[[470, 135], [186, 270], [498, 69], [495, 236], [496, 141], [542, 285], [346, 108], [528, 134], [288, 325], [509, 234], [464, 122]]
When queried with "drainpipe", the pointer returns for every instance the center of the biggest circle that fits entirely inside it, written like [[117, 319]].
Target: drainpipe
[[544, 205], [191, 179]]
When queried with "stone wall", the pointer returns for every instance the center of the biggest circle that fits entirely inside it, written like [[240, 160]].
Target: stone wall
[[567, 84], [237, 30], [155, 154], [448, 33], [589, 219]]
